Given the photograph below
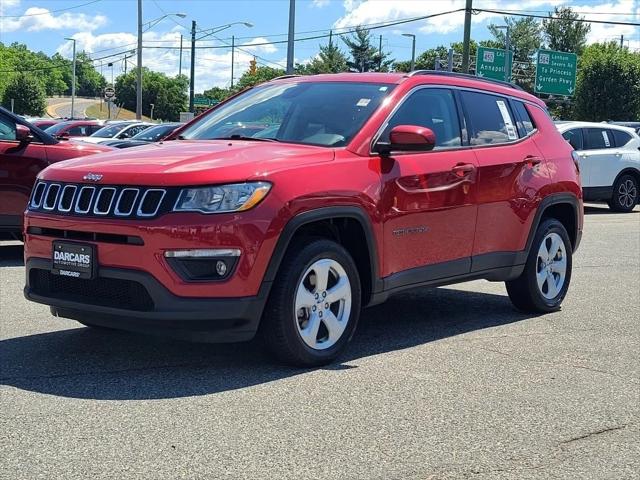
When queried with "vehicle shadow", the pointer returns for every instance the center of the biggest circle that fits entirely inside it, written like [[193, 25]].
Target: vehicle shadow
[[11, 255], [110, 365], [597, 209]]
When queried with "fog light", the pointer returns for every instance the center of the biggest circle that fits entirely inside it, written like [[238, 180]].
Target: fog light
[[221, 268]]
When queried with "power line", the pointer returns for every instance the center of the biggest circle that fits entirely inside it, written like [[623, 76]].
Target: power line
[[550, 17], [48, 12]]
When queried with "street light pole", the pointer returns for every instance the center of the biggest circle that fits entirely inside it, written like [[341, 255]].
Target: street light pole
[[292, 23], [507, 50], [466, 36], [413, 50], [180, 65], [73, 79], [139, 71]]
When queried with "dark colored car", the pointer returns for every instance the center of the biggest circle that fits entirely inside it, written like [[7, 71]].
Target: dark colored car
[[150, 135], [25, 150], [349, 188], [44, 123], [74, 128]]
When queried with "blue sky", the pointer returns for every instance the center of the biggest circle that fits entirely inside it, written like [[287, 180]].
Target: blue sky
[[107, 27]]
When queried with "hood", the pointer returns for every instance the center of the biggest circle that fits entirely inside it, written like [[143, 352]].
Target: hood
[[92, 139], [189, 162], [67, 149]]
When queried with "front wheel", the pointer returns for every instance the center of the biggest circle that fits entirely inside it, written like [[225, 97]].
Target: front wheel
[[314, 304], [547, 273]]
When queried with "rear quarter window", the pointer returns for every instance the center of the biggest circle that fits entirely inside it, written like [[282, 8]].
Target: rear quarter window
[[525, 123], [490, 119], [574, 137], [621, 138]]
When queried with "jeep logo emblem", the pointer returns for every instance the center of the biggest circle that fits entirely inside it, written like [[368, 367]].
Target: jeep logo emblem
[[92, 177]]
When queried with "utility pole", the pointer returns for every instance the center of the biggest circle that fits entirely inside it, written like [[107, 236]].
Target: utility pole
[[380, 53], [621, 40], [466, 36], [193, 65], [73, 82], [139, 71], [292, 22], [180, 64], [233, 49], [450, 60], [413, 50], [330, 38]]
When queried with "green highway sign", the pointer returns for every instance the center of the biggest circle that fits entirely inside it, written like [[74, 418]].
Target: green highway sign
[[556, 73], [203, 102], [490, 63]]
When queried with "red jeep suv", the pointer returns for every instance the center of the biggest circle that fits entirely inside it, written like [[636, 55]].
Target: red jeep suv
[[289, 207]]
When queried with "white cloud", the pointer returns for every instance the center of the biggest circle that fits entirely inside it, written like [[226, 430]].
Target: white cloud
[[606, 33], [320, 3], [213, 66], [36, 19], [8, 3], [375, 11]]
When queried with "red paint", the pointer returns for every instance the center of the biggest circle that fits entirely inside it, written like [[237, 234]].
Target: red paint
[[454, 203]]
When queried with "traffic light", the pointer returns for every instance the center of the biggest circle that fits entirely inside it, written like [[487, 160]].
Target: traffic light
[[252, 66]]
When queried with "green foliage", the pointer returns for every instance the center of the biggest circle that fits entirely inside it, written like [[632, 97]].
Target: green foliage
[[17, 59], [330, 59], [27, 93], [263, 74], [525, 37], [167, 94], [216, 93], [427, 59], [608, 85], [364, 56], [565, 34], [89, 82]]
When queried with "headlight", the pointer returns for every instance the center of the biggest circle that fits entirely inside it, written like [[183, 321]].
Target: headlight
[[222, 198]]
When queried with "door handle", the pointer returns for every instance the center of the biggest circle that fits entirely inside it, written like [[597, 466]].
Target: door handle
[[463, 170], [532, 161]]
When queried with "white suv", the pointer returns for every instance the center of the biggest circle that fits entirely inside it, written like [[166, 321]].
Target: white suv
[[609, 158]]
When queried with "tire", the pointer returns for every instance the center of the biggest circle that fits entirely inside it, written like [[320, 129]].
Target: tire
[[544, 282], [626, 193], [292, 326]]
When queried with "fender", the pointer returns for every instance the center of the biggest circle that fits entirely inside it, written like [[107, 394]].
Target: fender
[[555, 199], [327, 213]]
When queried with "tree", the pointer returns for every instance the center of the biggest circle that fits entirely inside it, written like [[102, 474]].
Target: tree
[[216, 93], [427, 59], [608, 86], [525, 37], [17, 59], [167, 94], [28, 95], [330, 59], [262, 74], [565, 34], [364, 56]]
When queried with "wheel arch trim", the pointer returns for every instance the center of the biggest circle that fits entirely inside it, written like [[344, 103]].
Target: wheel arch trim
[[552, 200], [326, 213]]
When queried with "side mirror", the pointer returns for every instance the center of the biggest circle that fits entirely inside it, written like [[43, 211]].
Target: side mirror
[[123, 135], [23, 133], [63, 135], [408, 138]]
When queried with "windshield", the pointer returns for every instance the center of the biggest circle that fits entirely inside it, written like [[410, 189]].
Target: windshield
[[109, 131], [154, 134], [314, 113], [57, 128]]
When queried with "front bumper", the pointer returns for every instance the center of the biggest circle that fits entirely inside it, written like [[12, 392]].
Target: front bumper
[[134, 300]]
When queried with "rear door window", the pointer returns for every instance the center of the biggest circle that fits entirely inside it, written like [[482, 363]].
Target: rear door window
[[597, 138], [434, 108], [574, 137], [491, 121]]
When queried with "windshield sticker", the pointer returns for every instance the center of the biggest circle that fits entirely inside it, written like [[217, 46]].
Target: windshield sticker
[[383, 89], [363, 102], [506, 118], [606, 139]]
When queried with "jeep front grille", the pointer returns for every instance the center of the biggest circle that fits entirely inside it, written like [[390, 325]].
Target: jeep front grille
[[101, 201]]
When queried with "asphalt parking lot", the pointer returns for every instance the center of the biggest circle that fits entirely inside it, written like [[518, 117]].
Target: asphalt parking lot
[[443, 383]]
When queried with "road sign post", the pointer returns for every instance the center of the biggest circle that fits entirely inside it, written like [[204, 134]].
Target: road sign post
[[490, 63], [556, 73]]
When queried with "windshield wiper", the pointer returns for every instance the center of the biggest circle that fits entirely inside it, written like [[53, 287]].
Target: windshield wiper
[[235, 136]]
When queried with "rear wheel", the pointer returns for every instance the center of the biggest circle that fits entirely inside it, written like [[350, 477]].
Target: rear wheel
[[547, 273], [625, 194], [314, 304]]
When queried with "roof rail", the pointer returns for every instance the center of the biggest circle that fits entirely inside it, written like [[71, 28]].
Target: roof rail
[[463, 75], [282, 77]]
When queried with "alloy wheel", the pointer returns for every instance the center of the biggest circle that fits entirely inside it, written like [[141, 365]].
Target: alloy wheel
[[551, 266], [323, 304], [627, 193]]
